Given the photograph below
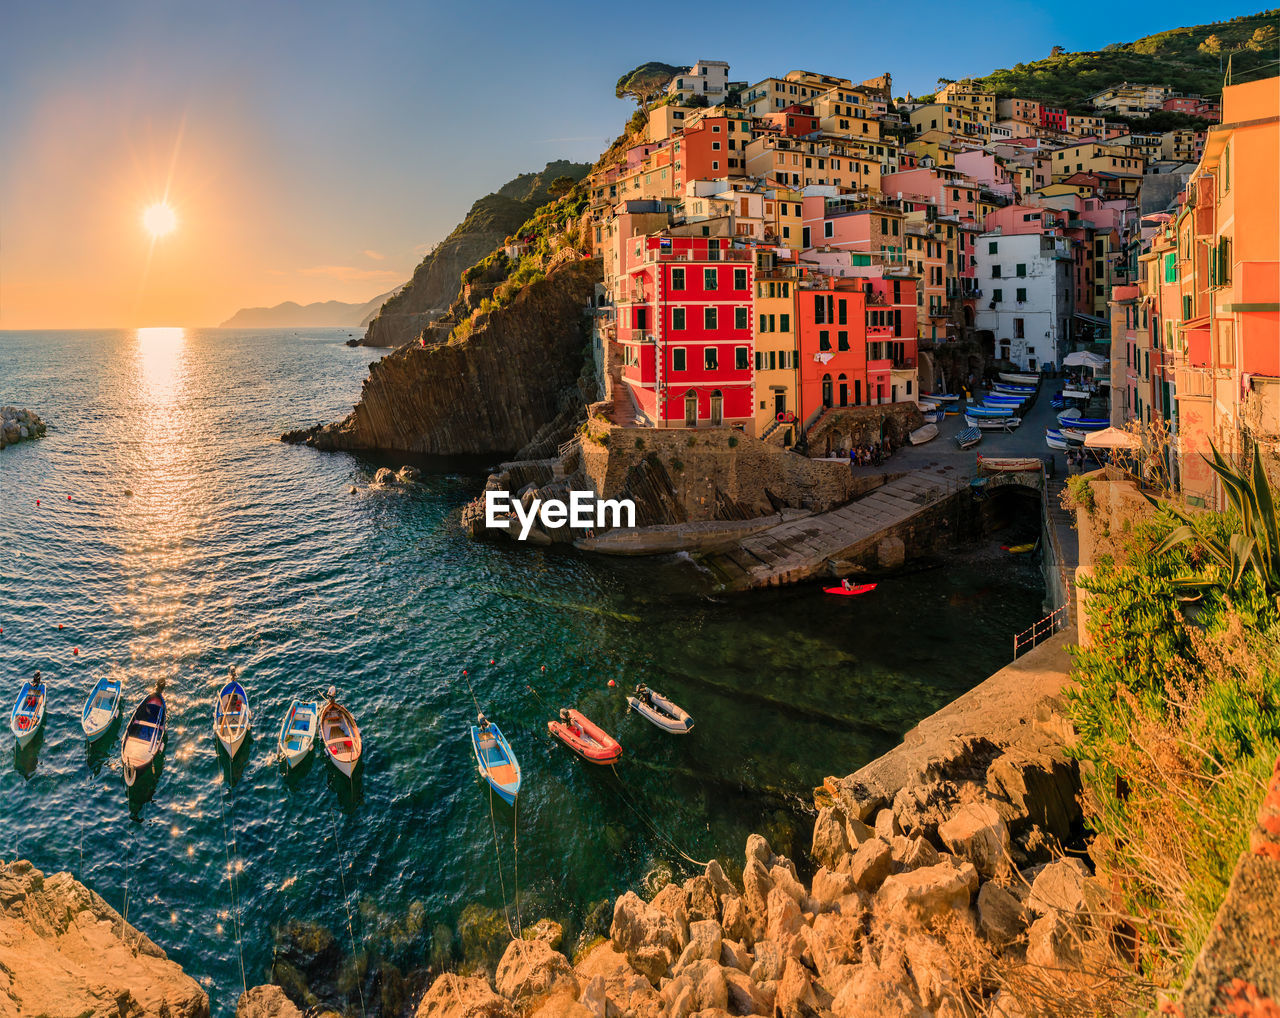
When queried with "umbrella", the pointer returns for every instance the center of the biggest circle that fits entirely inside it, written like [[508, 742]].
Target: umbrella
[[1085, 359], [1112, 438]]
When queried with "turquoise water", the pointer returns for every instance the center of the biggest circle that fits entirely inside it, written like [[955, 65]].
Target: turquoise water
[[193, 539]]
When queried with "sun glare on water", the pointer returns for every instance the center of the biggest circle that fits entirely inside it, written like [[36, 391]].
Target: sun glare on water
[[159, 219]]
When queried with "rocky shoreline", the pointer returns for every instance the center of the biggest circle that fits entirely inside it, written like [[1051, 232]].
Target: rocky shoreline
[[20, 426]]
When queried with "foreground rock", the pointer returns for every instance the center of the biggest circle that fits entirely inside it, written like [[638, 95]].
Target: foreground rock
[[19, 426], [65, 951]]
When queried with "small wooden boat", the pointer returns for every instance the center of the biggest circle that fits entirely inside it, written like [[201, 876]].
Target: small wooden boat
[[987, 411], [144, 736], [498, 764], [850, 591], [232, 716], [968, 438], [1054, 439], [1019, 549], [584, 737], [298, 732], [1011, 465], [994, 403], [1015, 390], [925, 406], [1017, 379], [992, 423], [935, 416], [941, 397], [101, 708], [1073, 436], [28, 711], [925, 434], [655, 707], [340, 735]]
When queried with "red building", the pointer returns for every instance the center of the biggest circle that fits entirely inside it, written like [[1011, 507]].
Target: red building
[[1195, 106], [684, 322], [1053, 117], [711, 148]]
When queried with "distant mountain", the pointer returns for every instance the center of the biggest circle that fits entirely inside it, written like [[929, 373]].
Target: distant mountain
[[1192, 59], [322, 314]]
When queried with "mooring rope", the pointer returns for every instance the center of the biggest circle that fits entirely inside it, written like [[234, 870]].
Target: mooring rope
[[128, 873], [502, 880], [233, 855], [346, 903], [649, 823], [515, 837]]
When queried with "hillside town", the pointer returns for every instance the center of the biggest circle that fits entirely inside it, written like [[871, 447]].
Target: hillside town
[[777, 250]]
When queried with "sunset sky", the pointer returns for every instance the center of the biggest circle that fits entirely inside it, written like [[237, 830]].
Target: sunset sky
[[316, 150]]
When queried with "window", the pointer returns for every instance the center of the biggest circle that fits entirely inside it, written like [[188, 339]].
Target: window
[[708, 279], [828, 229], [843, 312], [842, 340], [709, 318], [995, 272], [824, 340], [710, 358], [677, 279], [677, 319], [739, 279], [784, 322], [740, 358], [993, 246], [741, 318], [1022, 294], [1021, 270], [678, 360], [1019, 328]]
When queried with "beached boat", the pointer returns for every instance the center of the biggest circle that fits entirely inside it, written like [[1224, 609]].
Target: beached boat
[[989, 411], [655, 707], [968, 438], [994, 423], [28, 711], [1073, 436], [143, 736], [995, 403], [298, 732], [585, 737], [340, 735], [1017, 390], [934, 416], [853, 590], [944, 397], [1072, 419], [1011, 465], [925, 434], [925, 406], [1016, 379], [232, 716], [1053, 439], [1019, 549], [498, 764], [101, 708]]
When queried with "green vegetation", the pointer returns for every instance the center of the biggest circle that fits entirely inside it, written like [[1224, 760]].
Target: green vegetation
[[1177, 704], [643, 83], [1189, 59], [1079, 494]]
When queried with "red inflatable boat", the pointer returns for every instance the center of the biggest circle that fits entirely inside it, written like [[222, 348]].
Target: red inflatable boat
[[585, 738], [860, 588]]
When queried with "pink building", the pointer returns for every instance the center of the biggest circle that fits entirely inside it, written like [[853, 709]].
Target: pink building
[[947, 190], [982, 167]]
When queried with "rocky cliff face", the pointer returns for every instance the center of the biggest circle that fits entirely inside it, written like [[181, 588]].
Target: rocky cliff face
[[436, 280], [491, 392], [65, 951]]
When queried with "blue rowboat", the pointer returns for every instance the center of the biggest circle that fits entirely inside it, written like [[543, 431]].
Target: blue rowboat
[[232, 717], [1017, 390], [143, 737], [1053, 439], [968, 438], [498, 763], [988, 411], [28, 711], [101, 708], [298, 732], [1003, 401]]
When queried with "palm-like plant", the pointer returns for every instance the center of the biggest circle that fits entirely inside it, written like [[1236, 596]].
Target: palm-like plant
[[1256, 547]]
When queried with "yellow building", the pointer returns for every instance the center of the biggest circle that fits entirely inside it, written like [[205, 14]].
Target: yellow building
[[784, 209], [777, 365], [1092, 157], [798, 163], [957, 120], [964, 93]]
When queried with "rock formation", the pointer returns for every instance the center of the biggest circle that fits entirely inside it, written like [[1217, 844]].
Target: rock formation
[[19, 426], [490, 392], [65, 951]]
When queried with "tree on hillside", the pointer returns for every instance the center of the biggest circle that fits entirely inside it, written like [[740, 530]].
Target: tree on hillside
[[561, 186], [1212, 44], [645, 81], [1057, 51]]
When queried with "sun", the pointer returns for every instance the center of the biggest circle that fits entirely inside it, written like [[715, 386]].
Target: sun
[[159, 219]]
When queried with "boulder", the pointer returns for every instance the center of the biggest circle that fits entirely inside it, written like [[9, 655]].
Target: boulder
[[533, 968], [930, 891], [887, 826], [703, 902], [594, 997], [856, 832], [735, 921], [912, 853], [858, 800], [705, 938], [769, 962], [735, 956], [455, 996], [930, 970], [547, 930], [919, 807], [384, 476], [758, 849], [833, 940], [828, 888], [872, 990], [699, 987], [625, 989], [1060, 887], [783, 917], [829, 839], [266, 1002], [560, 1005], [1037, 787], [721, 884], [756, 885], [795, 994], [1001, 917], [976, 832], [674, 903], [409, 473], [645, 934], [1053, 942], [871, 863], [744, 996], [784, 879]]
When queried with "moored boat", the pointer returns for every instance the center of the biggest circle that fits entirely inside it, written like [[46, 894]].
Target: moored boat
[[298, 731], [1053, 439], [654, 707], [1017, 390], [340, 735], [922, 435], [232, 716], [585, 737], [968, 438], [101, 708], [28, 711], [853, 590], [1016, 379], [992, 423], [144, 735], [497, 762]]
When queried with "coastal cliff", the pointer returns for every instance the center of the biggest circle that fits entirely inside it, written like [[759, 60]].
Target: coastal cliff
[[435, 281], [490, 391]]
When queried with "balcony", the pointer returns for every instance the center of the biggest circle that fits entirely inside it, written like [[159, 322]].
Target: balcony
[[903, 363], [880, 331]]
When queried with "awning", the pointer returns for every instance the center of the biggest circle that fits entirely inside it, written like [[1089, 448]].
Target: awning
[[1085, 359], [1112, 438], [1091, 319]]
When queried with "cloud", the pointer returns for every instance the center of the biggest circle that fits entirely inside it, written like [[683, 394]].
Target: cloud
[[348, 273], [377, 256]]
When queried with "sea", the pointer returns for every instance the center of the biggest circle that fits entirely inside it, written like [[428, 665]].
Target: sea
[[161, 530]]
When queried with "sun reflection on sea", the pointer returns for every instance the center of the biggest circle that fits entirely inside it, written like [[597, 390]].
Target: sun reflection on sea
[[160, 353]]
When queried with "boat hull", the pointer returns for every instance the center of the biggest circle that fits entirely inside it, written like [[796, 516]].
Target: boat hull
[[298, 732], [968, 438], [854, 591], [925, 434], [993, 423], [27, 715], [662, 713], [497, 761], [1016, 379], [143, 737], [586, 738], [343, 744], [232, 717]]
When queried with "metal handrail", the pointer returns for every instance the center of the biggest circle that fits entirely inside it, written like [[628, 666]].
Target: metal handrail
[[1041, 630]]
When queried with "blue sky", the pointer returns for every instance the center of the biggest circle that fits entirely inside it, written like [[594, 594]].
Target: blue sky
[[325, 145]]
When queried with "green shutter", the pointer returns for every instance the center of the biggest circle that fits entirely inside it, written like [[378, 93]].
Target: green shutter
[[1171, 267]]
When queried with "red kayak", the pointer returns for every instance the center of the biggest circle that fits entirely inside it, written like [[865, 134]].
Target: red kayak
[[861, 588], [585, 738]]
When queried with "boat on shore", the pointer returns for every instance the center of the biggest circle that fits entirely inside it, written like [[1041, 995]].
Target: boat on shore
[[1014, 378], [496, 760], [992, 423], [28, 711], [1054, 439], [1073, 436], [144, 736], [1074, 419], [232, 716], [340, 735], [657, 709], [298, 732], [1011, 465], [968, 438], [922, 435], [944, 397], [585, 737], [988, 411], [101, 708], [1017, 390]]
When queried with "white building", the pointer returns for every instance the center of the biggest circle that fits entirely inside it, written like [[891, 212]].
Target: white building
[[709, 78], [1027, 299]]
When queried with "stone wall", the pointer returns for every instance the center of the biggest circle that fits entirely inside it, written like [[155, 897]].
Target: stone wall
[[842, 428]]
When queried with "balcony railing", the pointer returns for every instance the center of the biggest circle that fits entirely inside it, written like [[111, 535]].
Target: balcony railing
[[903, 363]]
